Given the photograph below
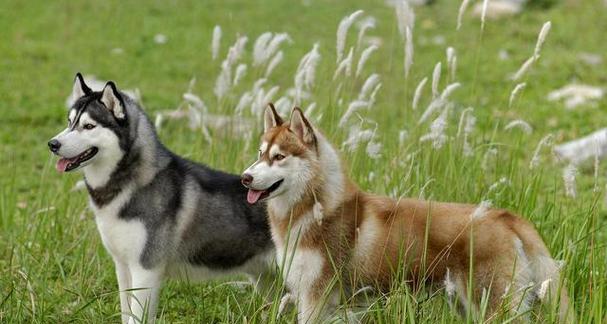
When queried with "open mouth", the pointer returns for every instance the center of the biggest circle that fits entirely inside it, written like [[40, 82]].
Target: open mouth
[[254, 196], [65, 164]]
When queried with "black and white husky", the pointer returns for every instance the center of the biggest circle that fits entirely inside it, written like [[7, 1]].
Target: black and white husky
[[159, 215]]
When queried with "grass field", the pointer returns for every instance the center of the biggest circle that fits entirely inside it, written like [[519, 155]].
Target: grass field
[[53, 267]]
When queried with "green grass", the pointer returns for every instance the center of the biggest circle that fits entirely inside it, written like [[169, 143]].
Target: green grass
[[53, 267]]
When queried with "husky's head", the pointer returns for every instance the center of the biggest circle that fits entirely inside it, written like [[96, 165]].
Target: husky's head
[[97, 128], [288, 159]]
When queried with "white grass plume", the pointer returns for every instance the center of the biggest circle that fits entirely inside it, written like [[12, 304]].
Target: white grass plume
[[364, 56], [274, 63], [437, 131], [261, 43], [244, 101], [342, 33], [404, 16], [451, 62], [535, 160], [436, 79], [569, 175], [241, 70], [353, 107], [517, 89], [368, 86], [484, 14], [216, 42], [368, 23], [306, 73], [418, 93], [521, 124], [408, 51], [274, 44], [356, 136], [524, 68], [345, 66], [541, 38], [460, 14], [462, 119]]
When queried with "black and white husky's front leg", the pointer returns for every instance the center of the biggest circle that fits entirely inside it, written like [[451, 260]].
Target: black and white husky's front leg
[[139, 291]]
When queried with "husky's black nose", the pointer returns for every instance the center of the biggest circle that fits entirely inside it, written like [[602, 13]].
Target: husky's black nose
[[54, 145], [246, 179]]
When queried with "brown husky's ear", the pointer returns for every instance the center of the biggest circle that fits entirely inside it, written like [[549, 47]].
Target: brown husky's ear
[[271, 118], [80, 89], [112, 99], [301, 127]]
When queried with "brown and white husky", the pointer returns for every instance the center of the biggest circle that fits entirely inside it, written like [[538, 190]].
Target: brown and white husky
[[325, 227]]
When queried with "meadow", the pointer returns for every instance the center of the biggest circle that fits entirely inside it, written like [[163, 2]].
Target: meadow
[[450, 140]]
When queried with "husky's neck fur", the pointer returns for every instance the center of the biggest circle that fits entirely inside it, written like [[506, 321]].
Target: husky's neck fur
[[326, 183], [136, 165]]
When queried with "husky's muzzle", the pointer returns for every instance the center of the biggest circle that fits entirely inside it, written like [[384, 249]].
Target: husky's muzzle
[[65, 164], [255, 195]]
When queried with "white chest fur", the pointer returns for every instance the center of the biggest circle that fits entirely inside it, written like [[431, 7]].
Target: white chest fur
[[123, 239]]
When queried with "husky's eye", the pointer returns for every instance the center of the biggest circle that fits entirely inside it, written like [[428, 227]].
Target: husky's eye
[[279, 157], [88, 126]]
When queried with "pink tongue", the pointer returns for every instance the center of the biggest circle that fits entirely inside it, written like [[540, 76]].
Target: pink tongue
[[62, 164], [253, 196]]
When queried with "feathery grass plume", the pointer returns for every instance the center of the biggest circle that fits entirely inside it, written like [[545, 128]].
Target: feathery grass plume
[[408, 51], [481, 210], [462, 120], [273, 46], [241, 70], [405, 16], [519, 123], [306, 73], [460, 14], [541, 38], [368, 23], [374, 94], [224, 80], [484, 14], [374, 149], [345, 67], [216, 42], [356, 136], [541, 293], [418, 93], [535, 160], [261, 100], [261, 43], [364, 56], [274, 63], [353, 107], [368, 86], [439, 102], [436, 79], [503, 181], [342, 33], [468, 129], [451, 62], [524, 68], [437, 131], [244, 101], [569, 175], [518, 88]]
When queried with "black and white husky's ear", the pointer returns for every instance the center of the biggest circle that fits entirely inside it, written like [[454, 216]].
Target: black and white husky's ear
[[271, 118], [112, 99], [80, 88], [301, 127]]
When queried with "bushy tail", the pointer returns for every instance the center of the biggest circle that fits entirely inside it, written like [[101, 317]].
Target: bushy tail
[[549, 287]]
